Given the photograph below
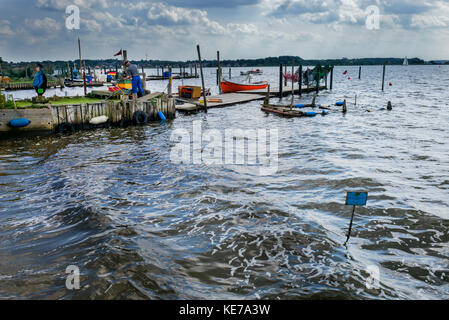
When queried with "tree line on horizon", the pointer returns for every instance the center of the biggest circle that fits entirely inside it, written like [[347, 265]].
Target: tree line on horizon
[[23, 69]]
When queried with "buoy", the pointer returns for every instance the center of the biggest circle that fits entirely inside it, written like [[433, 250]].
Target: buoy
[[19, 123], [310, 114], [162, 116], [346, 72], [391, 84], [339, 103], [299, 106], [324, 113], [99, 120]]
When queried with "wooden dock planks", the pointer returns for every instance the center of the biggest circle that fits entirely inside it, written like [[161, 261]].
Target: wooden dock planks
[[228, 99]]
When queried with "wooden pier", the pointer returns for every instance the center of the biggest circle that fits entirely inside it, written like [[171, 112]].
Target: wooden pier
[[69, 118], [230, 99]]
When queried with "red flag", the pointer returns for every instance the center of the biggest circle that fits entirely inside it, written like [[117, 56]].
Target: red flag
[[118, 53]]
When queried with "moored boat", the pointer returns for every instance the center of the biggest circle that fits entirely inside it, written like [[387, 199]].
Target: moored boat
[[290, 111], [228, 86]]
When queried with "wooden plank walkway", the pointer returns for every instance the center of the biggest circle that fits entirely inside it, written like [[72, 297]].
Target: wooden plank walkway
[[229, 99]]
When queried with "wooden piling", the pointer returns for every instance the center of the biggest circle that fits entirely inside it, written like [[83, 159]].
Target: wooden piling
[[281, 82], [202, 77], [360, 72], [81, 67], [230, 73], [219, 72], [383, 77], [170, 82], [332, 78], [300, 81], [318, 79], [285, 72]]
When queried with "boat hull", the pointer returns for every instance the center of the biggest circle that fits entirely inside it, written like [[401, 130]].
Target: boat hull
[[227, 86]]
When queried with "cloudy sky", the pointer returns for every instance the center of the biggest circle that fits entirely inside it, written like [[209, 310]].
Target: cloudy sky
[[36, 29]]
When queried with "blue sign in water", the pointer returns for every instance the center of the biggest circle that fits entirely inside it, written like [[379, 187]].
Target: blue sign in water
[[357, 198]]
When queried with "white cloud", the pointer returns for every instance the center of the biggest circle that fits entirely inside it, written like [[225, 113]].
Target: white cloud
[[5, 28]]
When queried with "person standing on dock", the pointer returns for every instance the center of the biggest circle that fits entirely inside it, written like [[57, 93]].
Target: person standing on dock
[[133, 73], [40, 81]]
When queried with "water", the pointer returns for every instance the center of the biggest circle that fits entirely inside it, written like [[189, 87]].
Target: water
[[139, 226]]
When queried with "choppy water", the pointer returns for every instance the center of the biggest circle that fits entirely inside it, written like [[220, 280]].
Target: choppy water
[[139, 226]]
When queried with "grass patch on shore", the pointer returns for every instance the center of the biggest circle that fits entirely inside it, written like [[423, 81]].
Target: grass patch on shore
[[20, 104]]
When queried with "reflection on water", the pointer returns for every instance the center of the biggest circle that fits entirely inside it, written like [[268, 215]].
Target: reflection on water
[[139, 226]]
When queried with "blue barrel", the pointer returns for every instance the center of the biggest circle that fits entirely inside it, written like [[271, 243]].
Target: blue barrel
[[162, 116], [19, 123], [339, 103], [310, 114]]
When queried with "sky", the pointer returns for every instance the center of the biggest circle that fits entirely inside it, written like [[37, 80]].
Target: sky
[[32, 30]]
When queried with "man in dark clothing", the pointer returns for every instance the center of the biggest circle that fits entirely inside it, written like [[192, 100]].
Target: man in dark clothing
[[40, 81], [133, 73]]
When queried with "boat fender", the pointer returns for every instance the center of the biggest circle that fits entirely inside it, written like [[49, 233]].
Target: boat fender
[[140, 117], [310, 114], [66, 128], [162, 116], [19, 123], [99, 120]]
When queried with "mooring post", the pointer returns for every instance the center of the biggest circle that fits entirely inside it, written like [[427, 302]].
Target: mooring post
[[202, 77], [360, 72], [383, 77], [285, 72], [332, 77], [281, 82], [230, 73], [293, 83], [170, 81], [318, 75], [196, 71], [219, 72], [300, 81], [81, 67]]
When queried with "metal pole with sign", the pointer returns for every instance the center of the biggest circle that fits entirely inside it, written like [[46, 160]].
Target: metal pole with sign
[[355, 199]]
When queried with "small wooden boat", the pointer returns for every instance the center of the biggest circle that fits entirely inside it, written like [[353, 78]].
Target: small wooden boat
[[290, 112], [255, 72], [228, 86]]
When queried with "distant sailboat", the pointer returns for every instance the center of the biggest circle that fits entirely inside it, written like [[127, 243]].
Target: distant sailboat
[[405, 62]]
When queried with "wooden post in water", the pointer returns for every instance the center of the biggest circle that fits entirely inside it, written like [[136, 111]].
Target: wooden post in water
[[318, 74], [196, 71], [332, 77], [293, 82], [202, 77], [219, 72], [81, 67], [191, 71], [230, 73], [170, 81], [360, 72], [281, 75], [383, 77], [300, 81], [285, 72]]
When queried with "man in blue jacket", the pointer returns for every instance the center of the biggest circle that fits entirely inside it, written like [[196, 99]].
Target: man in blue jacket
[[133, 73], [40, 81]]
